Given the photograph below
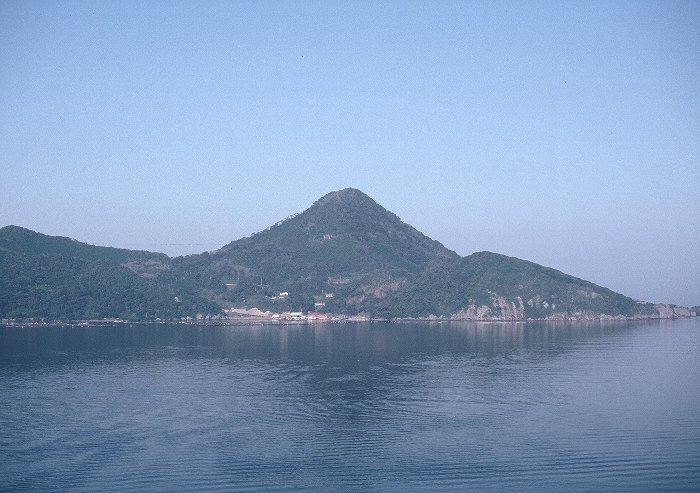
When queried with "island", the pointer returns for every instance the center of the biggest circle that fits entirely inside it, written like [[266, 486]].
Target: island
[[344, 258]]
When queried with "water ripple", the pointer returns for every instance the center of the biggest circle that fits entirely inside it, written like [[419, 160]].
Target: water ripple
[[355, 408]]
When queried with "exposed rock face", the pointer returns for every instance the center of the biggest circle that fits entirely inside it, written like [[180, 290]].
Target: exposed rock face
[[503, 309], [671, 311], [586, 316], [513, 310], [473, 313], [250, 312]]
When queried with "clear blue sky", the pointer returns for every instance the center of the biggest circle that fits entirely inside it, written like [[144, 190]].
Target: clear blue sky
[[566, 133]]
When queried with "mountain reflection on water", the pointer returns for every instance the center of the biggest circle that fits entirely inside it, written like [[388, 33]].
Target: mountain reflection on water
[[381, 406], [342, 344]]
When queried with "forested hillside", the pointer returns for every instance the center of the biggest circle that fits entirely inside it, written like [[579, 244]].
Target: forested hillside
[[345, 254]]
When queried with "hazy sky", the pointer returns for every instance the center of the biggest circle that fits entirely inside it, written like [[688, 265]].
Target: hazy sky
[[566, 133]]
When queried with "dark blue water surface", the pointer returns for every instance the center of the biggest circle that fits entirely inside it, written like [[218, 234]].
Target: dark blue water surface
[[352, 407]]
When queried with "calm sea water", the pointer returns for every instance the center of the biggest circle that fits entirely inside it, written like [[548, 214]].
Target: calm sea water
[[352, 407]]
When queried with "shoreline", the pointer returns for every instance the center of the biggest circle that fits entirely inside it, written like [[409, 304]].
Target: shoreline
[[269, 321]]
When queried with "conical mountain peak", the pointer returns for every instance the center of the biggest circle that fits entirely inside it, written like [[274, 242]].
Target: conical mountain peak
[[344, 235], [350, 213], [345, 195], [347, 198]]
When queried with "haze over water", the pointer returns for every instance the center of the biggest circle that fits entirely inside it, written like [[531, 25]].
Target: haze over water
[[389, 407]]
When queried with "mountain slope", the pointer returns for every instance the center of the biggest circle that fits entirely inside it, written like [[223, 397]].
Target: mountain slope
[[59, 278], [344, 243], [28, 242], [487, 285], [345, 232]]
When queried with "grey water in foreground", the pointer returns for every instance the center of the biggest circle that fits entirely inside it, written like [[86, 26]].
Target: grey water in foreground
[[352, 407]]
